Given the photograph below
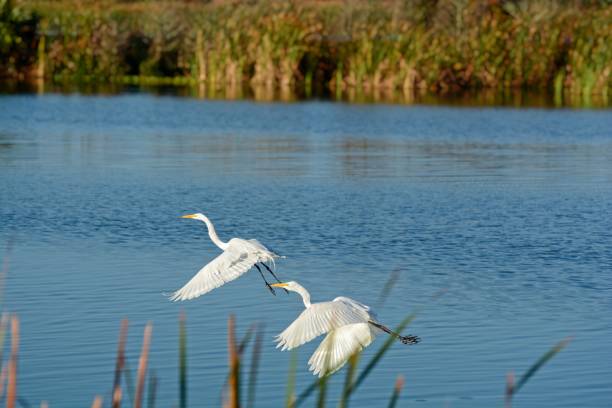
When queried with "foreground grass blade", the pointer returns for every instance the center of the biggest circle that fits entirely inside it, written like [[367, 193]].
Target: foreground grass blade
[[254, 367], [152, 390], [322, 391], [245, 340], [509, 387], [399, 384], [348, 381], [97, 402], [182, 362], [240, 350], [234, 363], [3, 326], [129, 382], [536, 366], [381, 352], [5, 268], [119, 365], [386, 290], [306, 393], [3, 375], [142, 366], [11, 392], [291, 379]]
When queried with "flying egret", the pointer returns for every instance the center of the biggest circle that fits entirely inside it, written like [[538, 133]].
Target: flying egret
[[350, 327], [239, 255]]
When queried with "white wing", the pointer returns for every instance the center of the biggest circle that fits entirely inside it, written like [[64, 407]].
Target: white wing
[[340, 344], [237, 259], [320, 318]]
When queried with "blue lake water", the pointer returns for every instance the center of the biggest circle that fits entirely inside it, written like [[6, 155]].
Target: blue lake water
[[508, 210]]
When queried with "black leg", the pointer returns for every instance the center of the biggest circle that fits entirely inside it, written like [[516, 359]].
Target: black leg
[[270, 270], [404, 339], [264, 278]]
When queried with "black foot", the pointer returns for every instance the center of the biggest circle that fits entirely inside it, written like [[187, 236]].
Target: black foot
[[273, 274], [271, 289], [410, 339]]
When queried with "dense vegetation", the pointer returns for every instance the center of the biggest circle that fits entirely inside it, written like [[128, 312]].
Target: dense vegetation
[[403, 45]]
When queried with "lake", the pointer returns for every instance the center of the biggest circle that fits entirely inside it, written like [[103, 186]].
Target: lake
[[507, 210]]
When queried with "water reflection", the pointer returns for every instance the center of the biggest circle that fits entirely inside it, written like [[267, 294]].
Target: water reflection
[[361, 157], [483, 97]]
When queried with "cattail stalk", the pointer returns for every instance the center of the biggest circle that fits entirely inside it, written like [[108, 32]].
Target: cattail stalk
[[11, 395], [142, 366], [120, 364]]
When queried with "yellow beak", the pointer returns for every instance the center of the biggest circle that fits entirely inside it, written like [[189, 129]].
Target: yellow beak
[[279, 285], [189, 216]]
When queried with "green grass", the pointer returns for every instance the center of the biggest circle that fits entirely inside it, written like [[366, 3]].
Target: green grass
[[405, 46]]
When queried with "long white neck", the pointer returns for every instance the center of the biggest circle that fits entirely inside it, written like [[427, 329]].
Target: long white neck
[[213, 234], [303, 293]]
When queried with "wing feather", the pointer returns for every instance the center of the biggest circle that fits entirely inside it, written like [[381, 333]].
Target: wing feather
[[231, 264], [338, 346], [318, 319]]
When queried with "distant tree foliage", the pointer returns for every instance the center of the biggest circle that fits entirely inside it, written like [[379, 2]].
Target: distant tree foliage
[[403, 44], [18, 38]]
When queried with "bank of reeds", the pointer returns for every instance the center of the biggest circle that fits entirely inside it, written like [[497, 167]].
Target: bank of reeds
[[443, 45]]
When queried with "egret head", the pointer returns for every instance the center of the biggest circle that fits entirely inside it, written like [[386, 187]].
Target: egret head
[[295, 287], [291, 285], [197, 216]]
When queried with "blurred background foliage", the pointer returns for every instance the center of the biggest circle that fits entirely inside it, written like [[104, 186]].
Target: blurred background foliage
[[438, 45]]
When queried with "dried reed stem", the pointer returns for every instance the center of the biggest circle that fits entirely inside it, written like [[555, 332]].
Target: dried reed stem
[[116, 396], [11, 395], [509, 389], [255, 367], [399, 384], [3, 374], [97, 402], [142, 365], [234, 362]]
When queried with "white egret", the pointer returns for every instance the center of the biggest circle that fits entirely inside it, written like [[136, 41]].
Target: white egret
[[239, 255], [350, 327]]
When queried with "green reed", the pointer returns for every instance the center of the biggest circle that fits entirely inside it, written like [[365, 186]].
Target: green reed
[[399, 384], [182, 362], [373, 45]]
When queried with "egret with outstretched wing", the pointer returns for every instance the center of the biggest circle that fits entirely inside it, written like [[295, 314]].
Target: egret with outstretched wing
[[239, 255], [350, 326]]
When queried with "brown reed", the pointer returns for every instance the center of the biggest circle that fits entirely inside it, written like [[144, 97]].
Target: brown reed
[[142, 365], [97, 402], [233, 400], [11, 393], [119, 365], [397, 389]]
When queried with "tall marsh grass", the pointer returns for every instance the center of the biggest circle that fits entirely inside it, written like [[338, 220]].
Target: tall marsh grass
[[233, 399], [440, 46]]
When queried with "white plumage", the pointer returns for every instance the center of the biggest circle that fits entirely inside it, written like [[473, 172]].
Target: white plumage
[[350, 326], [239, 255], [339, 345]]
